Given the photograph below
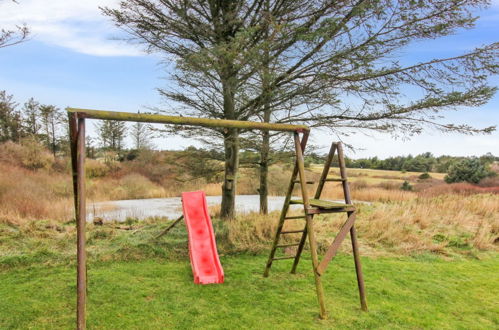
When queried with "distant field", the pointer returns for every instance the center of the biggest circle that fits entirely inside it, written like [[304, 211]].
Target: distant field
[[371, 176]]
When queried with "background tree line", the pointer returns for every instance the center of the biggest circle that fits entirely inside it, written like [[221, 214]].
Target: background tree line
[[43, 122], [425, 162], [47, 124]]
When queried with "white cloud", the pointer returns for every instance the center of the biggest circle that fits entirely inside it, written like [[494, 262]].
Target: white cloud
[[74, 24]]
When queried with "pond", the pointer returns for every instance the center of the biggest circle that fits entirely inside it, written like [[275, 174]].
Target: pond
[[170, 207]]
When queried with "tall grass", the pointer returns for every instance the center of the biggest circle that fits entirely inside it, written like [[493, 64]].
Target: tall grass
[[436, 217], [26, 195], [432, 224]]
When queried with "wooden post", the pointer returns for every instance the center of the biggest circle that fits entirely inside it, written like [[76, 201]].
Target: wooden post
[[325, 171], [164, 232], [353, 233], [73, 138], [310, 227], [81, 277]]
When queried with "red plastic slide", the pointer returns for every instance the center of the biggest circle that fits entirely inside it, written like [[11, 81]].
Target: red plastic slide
[[205, 263]]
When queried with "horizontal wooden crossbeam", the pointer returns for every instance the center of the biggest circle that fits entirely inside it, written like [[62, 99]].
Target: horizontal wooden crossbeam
[[188, 121]]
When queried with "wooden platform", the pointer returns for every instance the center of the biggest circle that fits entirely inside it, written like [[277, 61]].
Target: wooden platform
[[323, 204]]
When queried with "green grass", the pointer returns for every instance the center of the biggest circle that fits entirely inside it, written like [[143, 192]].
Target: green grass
[[405, 292]]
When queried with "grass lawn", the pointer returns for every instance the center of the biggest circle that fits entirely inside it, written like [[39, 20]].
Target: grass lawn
[[405, 292]]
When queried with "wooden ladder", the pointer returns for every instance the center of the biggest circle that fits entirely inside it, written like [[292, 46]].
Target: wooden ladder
[[312, 207]]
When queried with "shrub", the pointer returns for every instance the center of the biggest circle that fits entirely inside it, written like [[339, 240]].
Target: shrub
[[425, 176], [95, 169], [469, 170], [406, 186], [28, 154], [388, 185], [35, 155]]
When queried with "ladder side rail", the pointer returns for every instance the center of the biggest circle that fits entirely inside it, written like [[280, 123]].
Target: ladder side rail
[[284, 211], [299, 250], [310, 226], [318, 192], [325, 171], [353, 232], [343, 173]]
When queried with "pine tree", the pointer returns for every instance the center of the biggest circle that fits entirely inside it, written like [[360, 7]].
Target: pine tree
[[10, 119], [112, 134], [141, 135], [50, 120], [330, 63]]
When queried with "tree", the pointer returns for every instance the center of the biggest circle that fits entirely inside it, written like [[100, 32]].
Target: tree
[[112, 134], [469, 170], [264, 144], [10, 119], [10, 37], [141, 135], [331, 63], [50, 122], [31, 117]]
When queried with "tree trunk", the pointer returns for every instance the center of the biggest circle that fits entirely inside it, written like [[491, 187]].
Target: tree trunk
[[265, 147], [231, 144], [264, 173], [53, 142], [231, 148]]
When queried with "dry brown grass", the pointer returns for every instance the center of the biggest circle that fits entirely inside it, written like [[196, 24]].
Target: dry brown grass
[[435, 218], [461, 188], [368, 194], [431, 224], [439, 224], [26, 195], [130, 186]]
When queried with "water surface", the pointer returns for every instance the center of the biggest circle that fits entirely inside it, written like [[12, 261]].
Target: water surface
[[171, 207]]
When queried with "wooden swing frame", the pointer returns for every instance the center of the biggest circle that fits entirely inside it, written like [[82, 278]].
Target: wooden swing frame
[[77, 119]]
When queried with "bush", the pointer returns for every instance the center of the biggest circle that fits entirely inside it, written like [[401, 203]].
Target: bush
[[467, 170], [35, 156], [95, 169], [425, 176], [388, 185], [406, 186]]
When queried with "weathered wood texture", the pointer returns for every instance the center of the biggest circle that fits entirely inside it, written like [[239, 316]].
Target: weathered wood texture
[[314, 206], [167, 229], [323, 204], [284, 211], [81, 219], [310, 226], [353, 232], [333, 249], [189, 121], [77, 143]]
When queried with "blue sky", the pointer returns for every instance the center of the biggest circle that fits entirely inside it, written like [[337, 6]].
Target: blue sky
[[73, 59]]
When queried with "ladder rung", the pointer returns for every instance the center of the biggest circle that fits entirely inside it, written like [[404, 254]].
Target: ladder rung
[[282, 258], [287, 245], [307, 182], [292, 231], [295, 217], [335, 179]]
